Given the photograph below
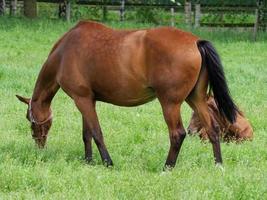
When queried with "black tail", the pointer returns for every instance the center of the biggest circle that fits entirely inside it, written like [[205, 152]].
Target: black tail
[[217, 81]]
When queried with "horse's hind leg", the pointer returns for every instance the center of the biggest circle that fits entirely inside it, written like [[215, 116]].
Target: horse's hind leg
[[92, 129], [198, 103], [171, 112], [87, 139]]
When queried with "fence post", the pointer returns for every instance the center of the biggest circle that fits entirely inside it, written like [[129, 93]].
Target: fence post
[[122, 10], [68, 10], [197, 15], [188, 12], [13, 7], [104, 10], [2, 7], [30, 8], [172, 17], [62, 6]]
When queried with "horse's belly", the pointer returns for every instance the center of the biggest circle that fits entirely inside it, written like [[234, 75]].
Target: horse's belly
[[127, 97]]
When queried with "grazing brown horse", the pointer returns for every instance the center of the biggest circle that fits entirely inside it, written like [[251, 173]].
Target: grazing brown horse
[[239, 131], [93, 63]]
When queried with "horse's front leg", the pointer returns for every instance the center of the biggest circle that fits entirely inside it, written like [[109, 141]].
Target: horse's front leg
[[171, 111], [87, 139], [92, 129]]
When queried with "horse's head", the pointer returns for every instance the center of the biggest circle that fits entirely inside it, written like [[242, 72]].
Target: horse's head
[[39, 128], [194, 125]]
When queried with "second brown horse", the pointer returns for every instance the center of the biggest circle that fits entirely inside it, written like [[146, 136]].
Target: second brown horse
[[239, 131], [93, 63]]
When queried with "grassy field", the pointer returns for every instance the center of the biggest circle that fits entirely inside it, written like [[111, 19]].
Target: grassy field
[[136, 138]]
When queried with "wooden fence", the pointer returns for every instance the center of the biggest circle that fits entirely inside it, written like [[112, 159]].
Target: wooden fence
[[13, 7], [193, 12], [119, 5]]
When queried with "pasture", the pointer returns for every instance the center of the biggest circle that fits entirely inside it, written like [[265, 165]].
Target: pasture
[[137, 138]]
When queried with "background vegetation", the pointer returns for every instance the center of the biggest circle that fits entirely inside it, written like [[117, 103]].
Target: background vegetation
[[136, 137]]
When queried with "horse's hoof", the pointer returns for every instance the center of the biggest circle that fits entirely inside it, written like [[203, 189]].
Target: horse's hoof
[[89, 160], [168, 168], [108, 163], [219, 166]]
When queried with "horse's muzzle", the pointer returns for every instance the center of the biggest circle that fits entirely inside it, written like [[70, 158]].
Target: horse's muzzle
[[40, 142]]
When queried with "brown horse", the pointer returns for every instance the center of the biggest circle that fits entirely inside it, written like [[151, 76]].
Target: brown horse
[[239, 131], [93, 63]]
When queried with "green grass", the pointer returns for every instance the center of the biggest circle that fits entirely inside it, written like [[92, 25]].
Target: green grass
[[136, 138]]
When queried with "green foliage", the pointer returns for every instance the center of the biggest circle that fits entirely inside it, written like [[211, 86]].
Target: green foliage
[[229, 17], [171, 2], [226, 2], [136, 137], [147, 15], [48, 10], [151, 15], [86, 12]]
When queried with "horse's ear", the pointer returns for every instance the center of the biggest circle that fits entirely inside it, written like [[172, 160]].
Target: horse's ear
[[23, 99]]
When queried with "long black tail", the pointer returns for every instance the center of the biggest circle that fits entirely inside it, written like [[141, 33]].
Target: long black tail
[[217, 81]]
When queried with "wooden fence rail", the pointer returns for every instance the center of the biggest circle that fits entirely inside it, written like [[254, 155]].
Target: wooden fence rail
[[193, 13], [193, 16]]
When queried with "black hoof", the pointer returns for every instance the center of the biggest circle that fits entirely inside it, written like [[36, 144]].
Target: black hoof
[[88, 160], [107, 163]]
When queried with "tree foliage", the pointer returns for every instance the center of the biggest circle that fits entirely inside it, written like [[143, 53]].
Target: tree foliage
[[181, 2]]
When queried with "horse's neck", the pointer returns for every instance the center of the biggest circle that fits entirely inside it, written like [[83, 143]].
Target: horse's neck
[[44, 91]]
